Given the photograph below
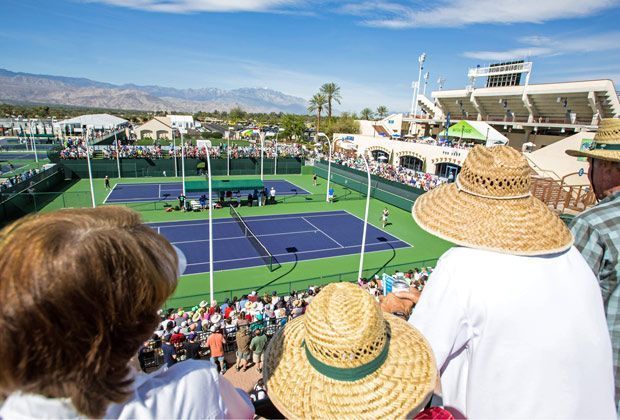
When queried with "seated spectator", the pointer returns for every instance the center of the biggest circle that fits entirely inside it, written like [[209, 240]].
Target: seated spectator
[[327, 364], [90, 295]]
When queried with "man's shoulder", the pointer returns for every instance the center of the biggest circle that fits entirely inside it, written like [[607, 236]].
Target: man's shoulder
[[607, 214]]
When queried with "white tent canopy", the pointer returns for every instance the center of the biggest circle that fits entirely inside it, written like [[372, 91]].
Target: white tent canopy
[[95, 121]]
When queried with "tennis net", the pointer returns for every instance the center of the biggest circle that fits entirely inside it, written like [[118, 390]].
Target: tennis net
[[269, 259]]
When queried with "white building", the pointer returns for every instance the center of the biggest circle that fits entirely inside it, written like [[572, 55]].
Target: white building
[[182, 122], [96, 122]]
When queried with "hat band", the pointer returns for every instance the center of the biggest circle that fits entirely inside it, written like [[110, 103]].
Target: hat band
[[348, 374], [604, 146], [459, 187]]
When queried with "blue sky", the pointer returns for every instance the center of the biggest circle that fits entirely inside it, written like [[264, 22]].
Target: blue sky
[[369, 48]]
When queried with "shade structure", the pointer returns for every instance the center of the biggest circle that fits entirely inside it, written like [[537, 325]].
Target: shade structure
[[475, 130], [225, 185]]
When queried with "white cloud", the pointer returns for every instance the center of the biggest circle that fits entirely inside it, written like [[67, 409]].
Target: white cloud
[[189, 6], [456, 13], [540, 46]]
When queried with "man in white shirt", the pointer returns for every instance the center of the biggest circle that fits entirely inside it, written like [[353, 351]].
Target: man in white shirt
[[272, 195], [514, 315]]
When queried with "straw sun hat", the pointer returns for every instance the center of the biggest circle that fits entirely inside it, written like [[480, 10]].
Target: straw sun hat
[[606, 144], [327, 363], [490, 207]]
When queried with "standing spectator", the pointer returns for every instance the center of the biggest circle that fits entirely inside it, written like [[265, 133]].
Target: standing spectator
[[257, 345], [509, 309], [107, 182], [250, 199], [272, 195], [203, 201], [314, 180], [330, 195], [596, 230], [243, 345], [216, 342]]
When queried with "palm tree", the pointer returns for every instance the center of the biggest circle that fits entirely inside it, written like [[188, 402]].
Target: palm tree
[[366, 114], [332, 93], [317, 103], [382, 112]]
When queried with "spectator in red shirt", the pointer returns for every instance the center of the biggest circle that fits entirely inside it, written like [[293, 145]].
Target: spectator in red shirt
[[178, 337]]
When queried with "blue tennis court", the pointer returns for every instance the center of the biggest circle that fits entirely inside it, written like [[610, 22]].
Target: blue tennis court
[[288, 237], [135, 193]]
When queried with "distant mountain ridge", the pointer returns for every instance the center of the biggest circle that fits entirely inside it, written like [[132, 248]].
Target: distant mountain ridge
[[77, 91]]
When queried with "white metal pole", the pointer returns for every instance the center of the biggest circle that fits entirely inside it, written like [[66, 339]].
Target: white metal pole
[[182, 162], [90, 171], [359, 273], [228, 155], [34, 145], [329, 168], [210, 228], [174, 149], [275, 161], [262, 152], [118, 155]]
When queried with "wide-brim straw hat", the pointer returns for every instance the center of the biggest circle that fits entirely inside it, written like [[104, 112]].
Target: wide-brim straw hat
[[215, 318], [327, 364], [606, 143], [490, 207]]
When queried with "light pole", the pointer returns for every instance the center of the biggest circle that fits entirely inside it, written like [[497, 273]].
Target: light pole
[[275, 161], [182, 162], [210, 227], [329, 164], [118, 155], [427, 75], [90, 170], [227, 133], [421, 60], [261, 135], [34, 145], [359, 273], [174, 150]]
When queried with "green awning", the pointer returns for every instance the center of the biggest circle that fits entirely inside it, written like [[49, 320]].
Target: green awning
[[463, 129], [225, 185]]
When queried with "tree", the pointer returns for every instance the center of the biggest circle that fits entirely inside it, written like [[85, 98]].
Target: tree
[[332, 93], [237, 114], [293, 126], [382, 112], [343, 124], [317, 103], [366, 114]]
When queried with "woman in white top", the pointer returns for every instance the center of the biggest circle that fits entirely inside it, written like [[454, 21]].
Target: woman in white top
[[80, 291]]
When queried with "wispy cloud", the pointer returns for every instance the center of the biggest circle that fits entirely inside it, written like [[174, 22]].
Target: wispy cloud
[[192, 6], [540, 46], [457, 13]]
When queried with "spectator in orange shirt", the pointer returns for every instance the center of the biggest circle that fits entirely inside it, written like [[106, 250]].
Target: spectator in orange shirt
[[216, 342]]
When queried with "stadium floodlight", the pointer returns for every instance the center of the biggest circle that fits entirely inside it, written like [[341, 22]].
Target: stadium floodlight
[[34, 145], [421, 60], [174, 150], [329, 163], [90, 171], [361, 267]]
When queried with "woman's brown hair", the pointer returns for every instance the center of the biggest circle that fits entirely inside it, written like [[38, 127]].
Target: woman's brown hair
[[79, 293]]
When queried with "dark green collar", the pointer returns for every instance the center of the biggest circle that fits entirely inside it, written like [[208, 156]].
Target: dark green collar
[[604, 146]]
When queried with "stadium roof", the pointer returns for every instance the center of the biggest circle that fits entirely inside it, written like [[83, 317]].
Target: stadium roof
[[95, 120], [573, 103]]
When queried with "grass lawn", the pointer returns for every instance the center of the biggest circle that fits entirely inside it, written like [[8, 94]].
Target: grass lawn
[[193, 288]]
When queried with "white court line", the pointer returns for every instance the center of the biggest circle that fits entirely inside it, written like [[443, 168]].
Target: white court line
[[217, 222], [242, 237], [301, 252], [379, 229], [159, 193], [108, 196], [320, 230], [296, 186]]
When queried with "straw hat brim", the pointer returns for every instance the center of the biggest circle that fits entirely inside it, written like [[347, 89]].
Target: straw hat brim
[[521, 226], [402, 385], [611, 155]]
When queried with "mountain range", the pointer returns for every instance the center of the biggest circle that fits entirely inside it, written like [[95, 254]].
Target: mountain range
[[59, 90]]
